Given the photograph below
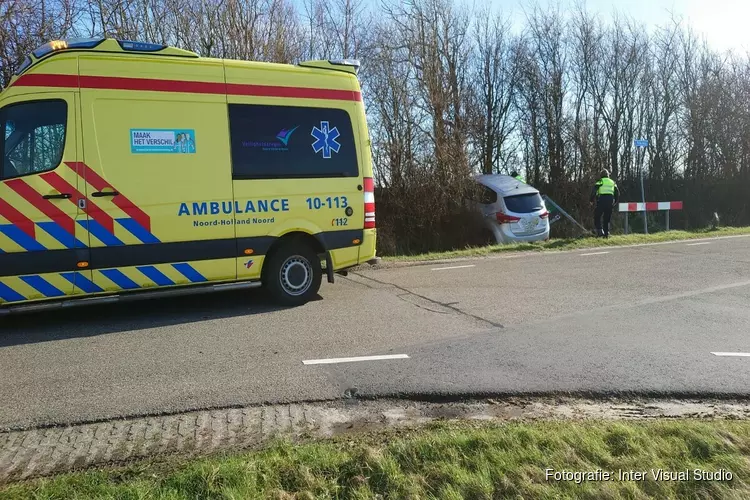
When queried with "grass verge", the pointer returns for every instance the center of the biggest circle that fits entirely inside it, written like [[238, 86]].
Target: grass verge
[[445, 460], [574, 243]]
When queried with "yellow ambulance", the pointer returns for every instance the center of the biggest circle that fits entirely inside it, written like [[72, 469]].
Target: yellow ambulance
[[133, 169]]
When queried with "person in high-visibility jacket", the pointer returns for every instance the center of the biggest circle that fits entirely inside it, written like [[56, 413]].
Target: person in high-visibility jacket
[[605, 194], [517, 176]]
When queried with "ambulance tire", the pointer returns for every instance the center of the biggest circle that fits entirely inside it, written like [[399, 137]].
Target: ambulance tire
[[293, 274]]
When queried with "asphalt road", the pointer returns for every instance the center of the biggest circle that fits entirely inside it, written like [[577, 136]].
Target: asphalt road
[[632, 320]]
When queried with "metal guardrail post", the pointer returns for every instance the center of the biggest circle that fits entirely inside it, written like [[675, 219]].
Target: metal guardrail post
[[667, 220], [626, 222]]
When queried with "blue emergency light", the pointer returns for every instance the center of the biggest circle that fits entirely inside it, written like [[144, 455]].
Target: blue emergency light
[[141, 46], [24, 65]]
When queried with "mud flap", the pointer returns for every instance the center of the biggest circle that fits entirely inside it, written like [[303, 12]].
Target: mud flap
[[329, 267]]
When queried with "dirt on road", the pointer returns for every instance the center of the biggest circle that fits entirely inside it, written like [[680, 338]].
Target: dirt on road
[[30, 453]]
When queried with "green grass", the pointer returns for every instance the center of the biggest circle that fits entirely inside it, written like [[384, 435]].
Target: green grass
[[448, 460], [574, 243]]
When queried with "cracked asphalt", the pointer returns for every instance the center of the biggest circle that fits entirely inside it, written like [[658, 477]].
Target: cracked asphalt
[[641, 320]]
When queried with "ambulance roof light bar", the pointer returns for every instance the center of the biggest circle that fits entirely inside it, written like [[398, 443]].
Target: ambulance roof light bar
[[90, 43], [107, 44], [346, 62], [58, 45]]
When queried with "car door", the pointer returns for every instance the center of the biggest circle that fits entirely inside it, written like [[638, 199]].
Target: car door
[[43, 250]]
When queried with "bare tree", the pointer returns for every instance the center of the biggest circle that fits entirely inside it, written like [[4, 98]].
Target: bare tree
[[586, 39], [27, 24], [614, 82], [544, 87], [663, 103], [494, 78], [346, 24], [436, 38]]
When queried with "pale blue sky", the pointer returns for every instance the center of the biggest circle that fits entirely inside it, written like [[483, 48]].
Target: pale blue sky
[[724, 23]]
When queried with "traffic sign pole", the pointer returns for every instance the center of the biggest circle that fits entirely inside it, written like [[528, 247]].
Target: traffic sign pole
[[642, 143], [643, 197]]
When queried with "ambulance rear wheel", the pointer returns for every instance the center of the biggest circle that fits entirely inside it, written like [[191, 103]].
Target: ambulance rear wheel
[[293, 274]]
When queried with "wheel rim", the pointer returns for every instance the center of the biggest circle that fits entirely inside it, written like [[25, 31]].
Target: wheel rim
[[296, 275]]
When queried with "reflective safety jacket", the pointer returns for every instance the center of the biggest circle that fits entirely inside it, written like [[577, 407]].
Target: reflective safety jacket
[[605, 187]]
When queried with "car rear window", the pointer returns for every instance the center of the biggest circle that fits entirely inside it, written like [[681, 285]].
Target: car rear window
[[523, 203]]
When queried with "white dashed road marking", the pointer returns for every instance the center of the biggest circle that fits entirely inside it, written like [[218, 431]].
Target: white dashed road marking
[[696, 244], [594, 253], [737, 354], [452, 267], [330, 361]]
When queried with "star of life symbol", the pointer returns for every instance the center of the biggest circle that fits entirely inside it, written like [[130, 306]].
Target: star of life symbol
[[325, 139]]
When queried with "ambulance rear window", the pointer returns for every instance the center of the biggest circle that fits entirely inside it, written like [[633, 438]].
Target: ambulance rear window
[[277, 142]]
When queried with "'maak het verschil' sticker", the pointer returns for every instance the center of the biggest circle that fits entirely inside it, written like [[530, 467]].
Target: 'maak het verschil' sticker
[[169, 141]]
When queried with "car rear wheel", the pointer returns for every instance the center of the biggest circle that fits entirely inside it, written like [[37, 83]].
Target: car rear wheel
[[293, 274]]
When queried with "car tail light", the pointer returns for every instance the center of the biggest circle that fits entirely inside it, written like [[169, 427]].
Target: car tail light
[[544, 215], [505, 218], [369, 185]]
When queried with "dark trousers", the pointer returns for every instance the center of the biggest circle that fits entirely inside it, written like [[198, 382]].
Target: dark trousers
[[603, 210]]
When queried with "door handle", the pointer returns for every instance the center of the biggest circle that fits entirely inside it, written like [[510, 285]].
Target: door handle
[[99, 194], [60, 196]]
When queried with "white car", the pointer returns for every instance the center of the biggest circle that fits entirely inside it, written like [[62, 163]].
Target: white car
[[513, 211]]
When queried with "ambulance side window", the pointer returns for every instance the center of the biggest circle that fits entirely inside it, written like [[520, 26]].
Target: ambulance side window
[[286, 142], [33, 137]]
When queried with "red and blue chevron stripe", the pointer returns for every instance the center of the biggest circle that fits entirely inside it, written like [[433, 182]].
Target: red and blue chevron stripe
[[61, 226], [98, 224], [124, 279]]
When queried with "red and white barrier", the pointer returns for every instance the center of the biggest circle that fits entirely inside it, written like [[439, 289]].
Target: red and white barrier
[[651, 206]]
